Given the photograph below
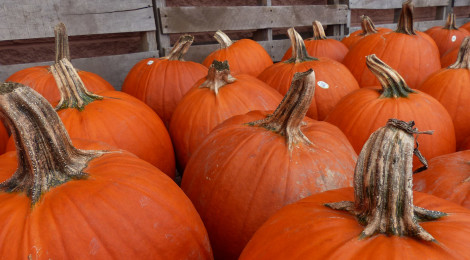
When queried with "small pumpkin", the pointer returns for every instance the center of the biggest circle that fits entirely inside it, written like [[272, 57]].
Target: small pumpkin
[[41, 79], [58, 201], [321, 46], [245, 56], [381, 218], [162, 82], [367, 28], [449, 36]]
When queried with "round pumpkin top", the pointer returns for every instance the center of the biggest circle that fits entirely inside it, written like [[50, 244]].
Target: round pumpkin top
[[449, 36]]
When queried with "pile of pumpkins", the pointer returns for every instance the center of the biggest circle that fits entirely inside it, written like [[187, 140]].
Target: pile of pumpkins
[[342, 150]]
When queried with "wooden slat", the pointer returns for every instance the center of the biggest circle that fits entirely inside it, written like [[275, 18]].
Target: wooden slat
[[391, 4], [112, 68], [24, 19], [462, 3], [207, 19], [420, 26]]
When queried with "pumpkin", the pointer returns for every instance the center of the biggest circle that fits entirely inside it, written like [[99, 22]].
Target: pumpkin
[[162, 82], [212, 100], [451, 87], [448, 36], [465, 26], [58, 201], [321, 46], [245, 56], [3, 138], [367, 28], [334, 79], [115, 118], [252, 165], [413, 54], [380, 218], [41, 79], [363, 111], [450, 56], [447, 177]]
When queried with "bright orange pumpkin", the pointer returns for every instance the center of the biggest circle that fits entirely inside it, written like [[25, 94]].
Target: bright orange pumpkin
[[449, 36], [368, 28], [63, 202]]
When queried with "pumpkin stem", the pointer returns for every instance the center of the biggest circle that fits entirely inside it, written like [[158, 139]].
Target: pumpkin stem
[[222, 39], [62, 50], [405, 23], [46, 156], [73, 93], [318, 32], [393, 85], [218, 76], [180, 48], [367, 26], [450, 22], [383, 181], [286, 120], [463, 58], [299, 51]]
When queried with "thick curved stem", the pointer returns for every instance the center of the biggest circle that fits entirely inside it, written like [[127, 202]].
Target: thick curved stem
[[62, 50], [383, 181], [180, 48], [218, 76], [73, 93], [222, 39], [367, 26], [318, 32], [450, 22], [299, 51], [463, 58], [46, 156], [393, 85], [405, 23], [286, 120]]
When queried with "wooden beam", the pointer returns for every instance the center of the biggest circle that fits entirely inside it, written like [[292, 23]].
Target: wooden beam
[[462, 3], [213, 18], [391, 4]]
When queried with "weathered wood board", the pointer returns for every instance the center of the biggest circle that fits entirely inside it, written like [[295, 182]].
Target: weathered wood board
[[391, 4]]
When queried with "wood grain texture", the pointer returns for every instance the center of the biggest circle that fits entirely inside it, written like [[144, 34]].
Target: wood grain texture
[[389, 4], [420, 26]]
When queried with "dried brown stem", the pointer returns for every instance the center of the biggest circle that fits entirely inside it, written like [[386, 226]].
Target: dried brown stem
[[299, 51], [222, 39], [180, 48], [46, 156], [62, 50], [218, 76], [367, 26], [318, 32], [463, 58], [450, 22], [405, 23]]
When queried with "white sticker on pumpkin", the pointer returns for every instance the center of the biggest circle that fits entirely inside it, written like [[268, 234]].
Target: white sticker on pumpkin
[[150, 62], [323, 84], [454, 38]]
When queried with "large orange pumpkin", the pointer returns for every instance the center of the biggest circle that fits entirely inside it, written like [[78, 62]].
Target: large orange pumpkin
[[451, 87], [252, 165], [162, 82], [244, 56], [321, 46], [363, 111], [41, 79], [3, 138], [449, 57], [212, 100], [378, 219], [449, 36], [413, 54], [60, 202], [334, 80], [367, 28]]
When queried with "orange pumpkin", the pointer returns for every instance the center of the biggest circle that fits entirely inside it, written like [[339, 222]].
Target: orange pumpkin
[[381, 218], [252, 165], [413, 54], [162, 82], [334, 80], [65, 202], [41, 79], [3, 138], [449, 57], [321, 46], [212, 100], [449, 36], [368, 28], [244, 56], [363, 111]]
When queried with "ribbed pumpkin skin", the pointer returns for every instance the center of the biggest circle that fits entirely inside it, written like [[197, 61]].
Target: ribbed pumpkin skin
[[309, 230], [244, 56], [330, 48], [451, 87], [161, 83], [446, 39], [40, 79], [201, 110], [415, 57], [450, 57], [465, 26], [356, 36], [126, 209], [362, 112], [447, 178], [242, 174], [339, 80]]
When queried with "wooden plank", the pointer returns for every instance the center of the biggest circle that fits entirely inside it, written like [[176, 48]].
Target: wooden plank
[[24, 19], [112, 68], [391, 4], [420, 26], [462, 3], [207, 19]]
